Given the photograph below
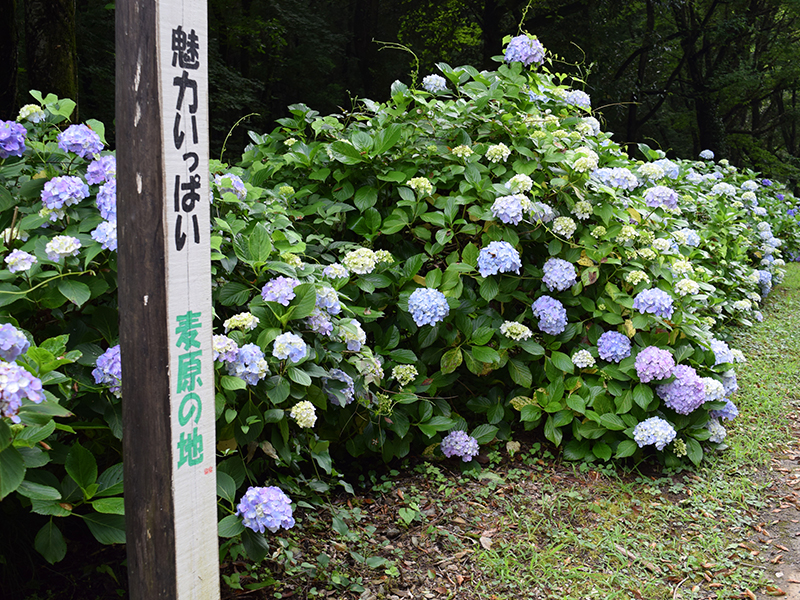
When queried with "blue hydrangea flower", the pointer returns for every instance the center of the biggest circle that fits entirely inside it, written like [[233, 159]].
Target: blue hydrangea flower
[[653, 363], [613, 346], [551, 314], [106, 235], [108, 370], [12, 139], [707, 155], [716, 430], [434, 83], [690, 235], [685, 393], [13, 343], [579, 98], [291, 346], [654, 431], [236, 185], [19, 260], [17, 383], [250, 364], [265, 508], [509, 209], [498, 257], [618, 177], [102, 170], [729, 381], [107, 200], [224, 349], [559, 274], [661, 195], [81, 140], [64, 191], [654, 301], [340, 397], [280, 290], [722, 352], [729, 413], [766, 182], [461, 444], [524, 49], [671, 169], [427, 306], [542, 212], [320, 322], [328, 300], [350, 332], [335, 271]]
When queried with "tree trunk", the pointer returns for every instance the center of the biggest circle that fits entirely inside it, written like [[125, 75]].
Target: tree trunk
[[51, 48], [8, 60]]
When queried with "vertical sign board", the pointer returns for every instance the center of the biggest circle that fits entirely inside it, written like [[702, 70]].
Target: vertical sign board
[[165, 299]]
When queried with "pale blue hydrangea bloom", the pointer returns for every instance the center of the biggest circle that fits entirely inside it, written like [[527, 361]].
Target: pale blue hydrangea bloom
[[716, 430], [707, 155], [81, 140], [434, 83], [653, 363], [722, 352], [509, 209], [427, 306], [617, 177], [280, 290], [62, 246], [729, 413], [224, 349], [328, 300], [524, 49], [654, 431], [498, 257], [320, 322], [265, 508], [729, 381], [12, 139], [559, 274], [350, 333], [542, 212], [19, 260], [63, 191], [335, 271], [250, 364], [108, 370], [13, 342], [551, 314], [749, 186], [17, 383], [102, 170], [461, 444], [654, 301], [661, 196], [685, 393], [106, 235], [579, 98], [688, 237], [291, 346], [671, 169], [349, 391], [613, 346], [723, 189], [713, 388], [31, 112], [236, 186]]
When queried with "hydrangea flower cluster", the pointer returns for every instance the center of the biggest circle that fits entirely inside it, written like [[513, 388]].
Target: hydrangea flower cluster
[[17, 383], [106, 235], [12, 139], [687, 287], [637, 277], [31, 112], [265, 508], [564, 226], [685, 393], [662, 196], [434, 83], [713, 388], [613, 346], [19, 260], [617, 177], [551, 314], [706, 155], [542, 212], [244, 321], [250, 364], [236, 186], [654, 301], [461, 444], [350, 333], [582, 210], [304, 413], [108, 370], [510, 209], [360, 261], [280, 290], [102, 170], [107, 200], [62, 246], [583, 359], [651, 172], [524, 49], [661, 245], [559, 274], [729, 381], [671, 169], [654, 431], [291, 346], [64, 191], [580, 99], [729, 413], [716, 430], [723, 189], [498, 152], [328, 300], [462, 151], [81, 140], [421, 185], [349, 390], [688, 237], [586, 159], [384, 256], [320, 322], [224, 349], [335, 271], [653, 363], [515, 331], [404, 374], [498, 257], [626, 234], [13, 343], [519, 183], [722, 352], [427, 306]]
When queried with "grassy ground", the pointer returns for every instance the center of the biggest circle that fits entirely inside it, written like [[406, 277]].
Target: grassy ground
[[530, 526]]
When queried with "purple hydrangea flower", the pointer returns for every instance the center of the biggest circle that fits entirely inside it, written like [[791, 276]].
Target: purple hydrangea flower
[[280, 290], [106, 235], [81, 140], [525, 50], [729, 413], [654, 301], [320, 322], [427, 306], [107, 200], [13, 343], [559, 274], [498, 257], [328, 300], [653, 363], [551, 314], [108, 370], [291, 346], [461, 444], [579, 98], [349, 391], [64, 191], [265, 508], [654, 431], [722, 352], [661, 196], [17, 383], [250, 364], [509, 209], [102, 170], [685, 393], [766, 182], [224, 349], [613, 346], [671, 169], [19, 260], [434, 83], [237, 185], [12, 139]]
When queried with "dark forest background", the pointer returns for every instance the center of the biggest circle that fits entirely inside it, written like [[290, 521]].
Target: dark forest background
[[681, 75]]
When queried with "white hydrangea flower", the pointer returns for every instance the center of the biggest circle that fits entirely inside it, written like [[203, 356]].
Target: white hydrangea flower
[[421, 185], [646, 253], [462, 151], [304, 413], [360, 261], [637, 277], [515, 331], [742, 305], [651, 171], [583, 359], [682, 267], [586, 160], [32, 112], [661, 245], [564, 226], [384, 256], [626, 234], [687, 287], [498, 152], [404, 374], [519, 183], [582, 210], [244, 321]]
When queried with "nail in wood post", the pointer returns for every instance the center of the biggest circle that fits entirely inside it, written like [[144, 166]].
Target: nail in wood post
[[165, 299]]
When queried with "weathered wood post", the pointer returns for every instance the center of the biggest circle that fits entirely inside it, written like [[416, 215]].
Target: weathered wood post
[[165, 299]]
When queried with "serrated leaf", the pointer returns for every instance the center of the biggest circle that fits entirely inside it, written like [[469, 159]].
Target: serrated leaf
[[626, 448], [107, 529], [74, 291], [110, 506]]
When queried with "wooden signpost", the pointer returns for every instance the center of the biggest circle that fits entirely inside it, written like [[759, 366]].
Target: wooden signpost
[[165, 299]]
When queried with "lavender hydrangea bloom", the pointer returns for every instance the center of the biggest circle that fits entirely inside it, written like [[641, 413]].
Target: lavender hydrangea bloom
[[661, 195], [107, 200], [509, 209], [427, 306], [328, 300], [13, 343], [525, 50], [671, 169], [265, 508], [722, 352], [579, 98], [685, 393], [102, 170], [551, 314], [64, 191], [349, 391], [250, 364], [498, 257], [613, 346], [461, 444], [730, 383], [280, 290], [434, 83], [559, 274], [12, 139], [108, 370], [224, 349], [542, 212], [106, 235], [729, 413], [320, 322], [236, 185], [335, 271], [654, 431], [81, 140], [617, 177], [19, 260], [654, 301], [17, 383], [653, 363], [350, 333], [291, 346]]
